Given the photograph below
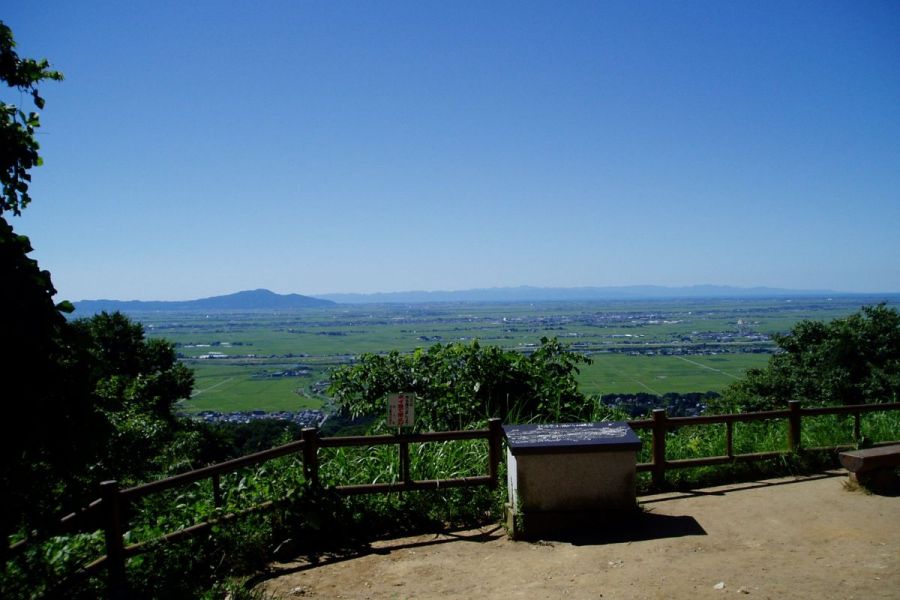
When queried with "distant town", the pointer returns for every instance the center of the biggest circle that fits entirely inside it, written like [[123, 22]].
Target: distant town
[[306, 418]]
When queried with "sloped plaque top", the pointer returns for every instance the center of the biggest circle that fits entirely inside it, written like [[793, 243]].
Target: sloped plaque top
[[547, 438]]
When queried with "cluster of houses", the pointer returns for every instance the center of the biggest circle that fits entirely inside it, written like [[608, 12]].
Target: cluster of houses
[[306, 418], [640, 404], [298, 371]]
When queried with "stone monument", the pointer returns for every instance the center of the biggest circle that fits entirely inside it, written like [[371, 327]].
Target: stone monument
[[567, 475]]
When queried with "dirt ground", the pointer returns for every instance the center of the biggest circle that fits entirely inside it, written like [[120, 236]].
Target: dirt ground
[[782, 538]]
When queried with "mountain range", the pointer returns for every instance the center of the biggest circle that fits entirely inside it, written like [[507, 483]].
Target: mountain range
[[262, 299], [544, 294], [246, 300]]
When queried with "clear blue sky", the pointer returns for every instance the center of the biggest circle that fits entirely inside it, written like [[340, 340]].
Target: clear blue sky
[[199, 148]]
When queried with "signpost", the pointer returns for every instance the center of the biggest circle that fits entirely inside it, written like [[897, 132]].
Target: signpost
[[401, 410], [401, 413]]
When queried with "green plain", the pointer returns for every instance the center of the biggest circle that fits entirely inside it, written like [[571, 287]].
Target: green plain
[[636, 346]]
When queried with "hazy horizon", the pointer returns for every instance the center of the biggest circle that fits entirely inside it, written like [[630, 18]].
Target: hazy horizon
[[737, 290]]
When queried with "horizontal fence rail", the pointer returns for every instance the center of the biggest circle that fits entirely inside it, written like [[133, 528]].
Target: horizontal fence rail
[[110, 512], [661, 424], [212, 471]]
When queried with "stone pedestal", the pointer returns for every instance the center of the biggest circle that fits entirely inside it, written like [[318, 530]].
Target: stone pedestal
[[568, 475]]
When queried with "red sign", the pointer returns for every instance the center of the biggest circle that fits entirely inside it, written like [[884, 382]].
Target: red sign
[[401, 410]]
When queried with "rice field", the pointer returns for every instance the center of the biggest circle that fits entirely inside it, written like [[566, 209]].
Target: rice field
[[240, 359]]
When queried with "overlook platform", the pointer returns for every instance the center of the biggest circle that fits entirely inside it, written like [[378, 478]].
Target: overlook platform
[[804, 537]]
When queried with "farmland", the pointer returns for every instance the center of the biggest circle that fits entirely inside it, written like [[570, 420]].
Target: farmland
[[277, 360]]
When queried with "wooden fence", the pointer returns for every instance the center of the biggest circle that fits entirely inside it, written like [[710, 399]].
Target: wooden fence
[[661, 424], [110, 511]]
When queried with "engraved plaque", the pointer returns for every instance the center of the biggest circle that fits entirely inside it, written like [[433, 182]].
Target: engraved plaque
[[548, 438]]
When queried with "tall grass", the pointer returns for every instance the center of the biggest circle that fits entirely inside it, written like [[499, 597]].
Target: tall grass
[[824, 431], [384, 513]]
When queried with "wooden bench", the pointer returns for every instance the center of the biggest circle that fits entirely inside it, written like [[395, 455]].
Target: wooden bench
[[873, 467]]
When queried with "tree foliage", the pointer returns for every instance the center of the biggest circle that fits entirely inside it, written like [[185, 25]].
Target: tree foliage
[[458, 385], [99, 406], [853, 360], [83, 400], [38, 398], [133, 385], [18, 146], [40, 402]]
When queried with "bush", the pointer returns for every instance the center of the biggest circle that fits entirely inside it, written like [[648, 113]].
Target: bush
[[459, 386]]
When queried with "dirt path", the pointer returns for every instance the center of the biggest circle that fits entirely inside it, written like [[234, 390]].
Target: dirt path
[[783, 538], [212, 387], [702, 366]]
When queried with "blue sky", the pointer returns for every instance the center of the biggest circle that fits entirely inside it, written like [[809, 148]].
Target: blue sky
[[199, 148]]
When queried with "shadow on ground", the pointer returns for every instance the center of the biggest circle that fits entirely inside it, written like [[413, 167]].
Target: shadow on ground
[[646, 525], [314, 560], [734, 488], [640, 527]]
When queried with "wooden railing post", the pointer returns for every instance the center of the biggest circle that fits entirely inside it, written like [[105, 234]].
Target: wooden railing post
[[404, 461], [310, 437], [115, 547], [857, 429], [659, 446], [495, 431], [217, 490], [5, 528], [729, 439], [794, 425]]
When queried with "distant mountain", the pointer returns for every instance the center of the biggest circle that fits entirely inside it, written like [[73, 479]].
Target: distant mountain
[[247, 300], [540, 294]]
